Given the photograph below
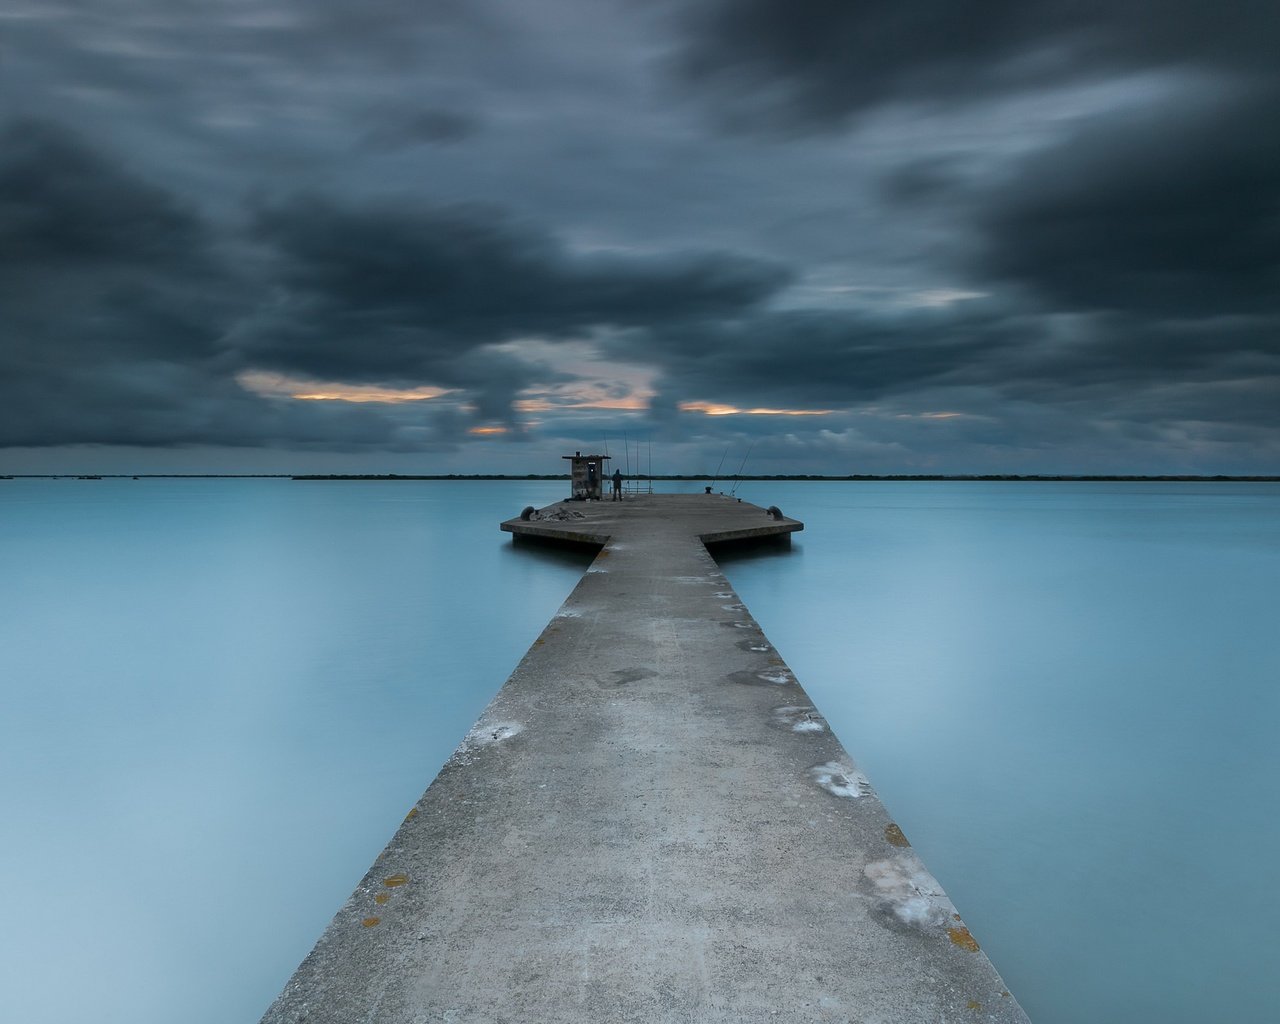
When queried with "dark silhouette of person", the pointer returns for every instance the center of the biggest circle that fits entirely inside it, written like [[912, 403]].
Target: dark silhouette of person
[[617, 485]]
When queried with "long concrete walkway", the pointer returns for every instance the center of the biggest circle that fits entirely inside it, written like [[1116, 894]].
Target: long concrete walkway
[[650, 822]]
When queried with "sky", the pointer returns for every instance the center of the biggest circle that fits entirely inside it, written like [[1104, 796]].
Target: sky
[[823, 236]]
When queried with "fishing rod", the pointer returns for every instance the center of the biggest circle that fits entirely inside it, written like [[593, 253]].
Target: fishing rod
[[736, 479], [721, 463]]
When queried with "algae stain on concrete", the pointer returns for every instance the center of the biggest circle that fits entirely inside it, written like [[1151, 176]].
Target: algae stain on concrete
[[960, 937], [894, 835]]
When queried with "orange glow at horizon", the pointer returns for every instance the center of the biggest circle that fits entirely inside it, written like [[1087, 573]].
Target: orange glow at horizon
[[352, 394], [631, 403], [276, 385], [486, 431], [717, 409]]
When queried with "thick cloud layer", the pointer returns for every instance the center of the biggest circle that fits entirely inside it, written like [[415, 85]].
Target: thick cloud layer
[[399, 296], [391, 293], [1022, 237], [822, 60], [1175, 211], [65, 206], [117, 308]]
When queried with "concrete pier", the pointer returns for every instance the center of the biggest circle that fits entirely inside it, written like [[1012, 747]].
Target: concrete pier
[[650, 822]]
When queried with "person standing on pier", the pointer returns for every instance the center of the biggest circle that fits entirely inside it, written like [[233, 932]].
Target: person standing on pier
[[617, 485]]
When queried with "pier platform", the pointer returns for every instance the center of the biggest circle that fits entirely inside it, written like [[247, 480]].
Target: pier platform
[[651, 822]]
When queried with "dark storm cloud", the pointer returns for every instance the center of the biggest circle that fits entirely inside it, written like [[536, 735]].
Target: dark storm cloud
[[114, 306], [128, 317], [1053, 220], [1147, 245], [819, 61], [1134, 251], [832, 359], [65, 206], [1116, 366], [397, 293], [421, 127], [99, 271], [377, 30], [932, 179], [299, 31], [1174, 211], [978, 373]]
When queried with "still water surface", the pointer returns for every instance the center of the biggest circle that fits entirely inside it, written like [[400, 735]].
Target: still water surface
[[219, 697]]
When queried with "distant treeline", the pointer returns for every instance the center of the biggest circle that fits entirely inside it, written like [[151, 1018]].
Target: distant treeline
[[147, 476], [1084, 478], [803, 476]]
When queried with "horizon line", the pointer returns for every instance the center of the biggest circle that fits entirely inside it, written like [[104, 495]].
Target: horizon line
[[816, 477]]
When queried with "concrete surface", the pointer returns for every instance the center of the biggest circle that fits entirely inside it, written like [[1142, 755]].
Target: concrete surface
[[650, 822]]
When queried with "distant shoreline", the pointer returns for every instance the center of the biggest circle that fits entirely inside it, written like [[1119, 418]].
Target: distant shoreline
[[859, 477]]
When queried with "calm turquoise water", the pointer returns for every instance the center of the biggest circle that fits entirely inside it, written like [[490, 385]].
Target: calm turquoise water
[[1067, 696], [221, 696]]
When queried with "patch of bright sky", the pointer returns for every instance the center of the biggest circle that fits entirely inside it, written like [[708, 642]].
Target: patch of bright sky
[[719, 409], [577, 375], [278, 385], [816, 292], [1011, 125]]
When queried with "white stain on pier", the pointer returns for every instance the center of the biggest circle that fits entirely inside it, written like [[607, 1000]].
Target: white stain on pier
[[906, 890], [488, 733], [800, 718], [840, 779]]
